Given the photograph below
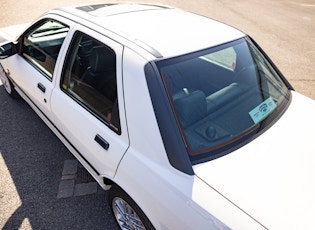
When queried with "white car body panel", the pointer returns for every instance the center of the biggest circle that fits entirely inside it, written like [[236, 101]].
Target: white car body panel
[[142, 126], [176, 207], [242, 190], [29, 83], [211, 201], [81, 127], [146, 157], [272, 183], [166, 21]]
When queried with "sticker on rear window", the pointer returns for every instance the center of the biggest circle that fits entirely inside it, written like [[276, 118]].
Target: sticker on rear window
[[262, 110]]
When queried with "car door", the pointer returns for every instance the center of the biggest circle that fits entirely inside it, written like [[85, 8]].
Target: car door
[[37, 60], [88, 103]]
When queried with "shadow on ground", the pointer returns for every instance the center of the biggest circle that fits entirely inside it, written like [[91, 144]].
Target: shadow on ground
[[34, 158]]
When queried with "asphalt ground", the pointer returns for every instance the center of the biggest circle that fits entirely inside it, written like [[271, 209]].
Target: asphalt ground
[[33, 161]]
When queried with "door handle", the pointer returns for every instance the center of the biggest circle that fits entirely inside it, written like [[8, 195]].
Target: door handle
[[41, 87], [101, 141]]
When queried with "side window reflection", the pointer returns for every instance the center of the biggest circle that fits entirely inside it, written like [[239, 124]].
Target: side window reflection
[[89, 76], [41, 45]]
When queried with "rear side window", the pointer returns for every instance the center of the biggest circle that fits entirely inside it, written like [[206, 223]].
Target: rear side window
[[42, 44], [89, 77]]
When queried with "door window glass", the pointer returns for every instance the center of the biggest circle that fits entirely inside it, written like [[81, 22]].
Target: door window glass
[[89, 77], [41, 45]]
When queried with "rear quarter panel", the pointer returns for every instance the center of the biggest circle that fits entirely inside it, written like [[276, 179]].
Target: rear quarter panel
[[161, 191]]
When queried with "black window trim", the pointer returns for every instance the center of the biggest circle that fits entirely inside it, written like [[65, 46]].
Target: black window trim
[[171, 136]]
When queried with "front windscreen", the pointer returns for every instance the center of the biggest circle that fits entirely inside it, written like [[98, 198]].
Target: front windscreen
[[223, 96]]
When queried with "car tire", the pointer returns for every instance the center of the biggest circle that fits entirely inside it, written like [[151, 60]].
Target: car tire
[[126, 212], [8, 85]]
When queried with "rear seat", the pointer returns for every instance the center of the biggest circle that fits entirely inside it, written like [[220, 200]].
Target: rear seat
[[194, 106], [222, 97], [209, 120], [191, 107]]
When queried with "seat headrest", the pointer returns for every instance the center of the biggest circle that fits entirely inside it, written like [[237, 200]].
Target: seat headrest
[[191, 107], [85, 48], [102, 59]]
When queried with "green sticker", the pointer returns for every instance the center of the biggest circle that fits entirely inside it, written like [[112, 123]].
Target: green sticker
[[262, 110]]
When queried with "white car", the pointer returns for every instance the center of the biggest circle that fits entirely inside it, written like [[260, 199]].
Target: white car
[[185, 119]]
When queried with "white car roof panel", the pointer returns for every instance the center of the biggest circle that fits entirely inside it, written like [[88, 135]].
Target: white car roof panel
[[169, 31]]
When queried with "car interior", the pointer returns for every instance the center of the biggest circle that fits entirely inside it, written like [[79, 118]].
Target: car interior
[[213, 103]]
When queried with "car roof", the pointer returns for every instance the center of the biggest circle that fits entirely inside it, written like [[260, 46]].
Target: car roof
[[163, 31]]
